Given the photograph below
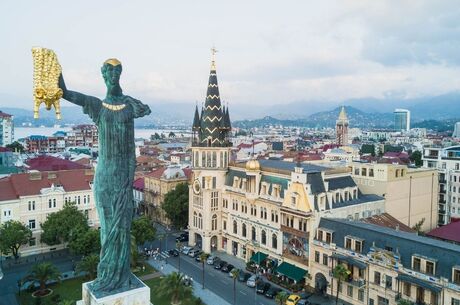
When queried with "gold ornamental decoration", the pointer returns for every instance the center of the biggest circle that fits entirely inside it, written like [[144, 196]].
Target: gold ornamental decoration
[[46, 80]]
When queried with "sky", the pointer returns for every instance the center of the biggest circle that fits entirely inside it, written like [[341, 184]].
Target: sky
[[270, 52]]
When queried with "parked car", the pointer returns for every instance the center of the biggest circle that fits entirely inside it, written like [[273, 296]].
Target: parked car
[[194, 252], [272, 292], [262, 287], [173, 252], [293, 299], [211, 260], [187, 281], [227, 268], [252, 281], [243, 276], [182, 238], [306, 302], [186, 250], [218, 263]]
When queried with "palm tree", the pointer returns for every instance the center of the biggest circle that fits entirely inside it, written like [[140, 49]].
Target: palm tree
[[340, 272], [281, 297], [42, 273], [89, 265], [235, 272], [172, 287], [203, 257]]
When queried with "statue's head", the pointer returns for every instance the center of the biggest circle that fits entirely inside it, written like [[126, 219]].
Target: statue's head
[[111, 71]]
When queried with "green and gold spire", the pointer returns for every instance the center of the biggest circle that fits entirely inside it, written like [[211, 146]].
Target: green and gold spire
[[213, 127]]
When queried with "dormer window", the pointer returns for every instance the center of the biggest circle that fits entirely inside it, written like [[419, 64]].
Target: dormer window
[[235, 182], [416, 263], [429, 267]]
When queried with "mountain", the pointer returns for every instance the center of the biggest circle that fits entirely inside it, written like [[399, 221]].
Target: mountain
[[322, 119]]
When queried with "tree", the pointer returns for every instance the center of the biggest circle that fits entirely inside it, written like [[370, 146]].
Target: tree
[[85, 242], [171, 135], [88, 264], [42, 273], [143, 230], [405, 302], [235, 273], [16, 146], [13, 234], [416, 158], [60, 226], [418, 226], [172, 287], [176, 205], [156, 136], [368, 149], [203, 257], [340, 272], [281, 298]]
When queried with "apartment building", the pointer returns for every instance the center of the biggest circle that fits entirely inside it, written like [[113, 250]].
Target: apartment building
[[447, 163], [411, 194], [6, 129]]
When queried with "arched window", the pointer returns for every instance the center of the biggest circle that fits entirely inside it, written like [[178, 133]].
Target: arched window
[[264, 237], [235, 227], [214, 159], [197, 158], [200, 221], [214, 222], [274, 241], [253, 233], [244, 230], [195, 220]]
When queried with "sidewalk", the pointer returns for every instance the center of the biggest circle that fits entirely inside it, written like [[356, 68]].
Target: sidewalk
[[37, 258], [235, 261], [207, 296]]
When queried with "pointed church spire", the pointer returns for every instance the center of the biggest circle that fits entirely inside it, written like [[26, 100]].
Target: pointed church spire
[[196, 120], [343, 115], [212, 116]]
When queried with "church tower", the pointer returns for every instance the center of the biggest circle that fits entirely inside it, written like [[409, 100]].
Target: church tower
[[210, 156], [341, 128]]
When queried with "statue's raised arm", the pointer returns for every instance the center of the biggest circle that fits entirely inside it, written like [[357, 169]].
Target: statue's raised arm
[[74, 97]]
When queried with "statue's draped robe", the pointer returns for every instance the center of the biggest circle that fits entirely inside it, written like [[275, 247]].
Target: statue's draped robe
[[113, 188]]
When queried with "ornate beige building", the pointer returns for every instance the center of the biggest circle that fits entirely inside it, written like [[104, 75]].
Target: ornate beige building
[[31, 197], [156, 185]]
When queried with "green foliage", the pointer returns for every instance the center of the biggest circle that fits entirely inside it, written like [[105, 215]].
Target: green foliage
[[176, 205], [367, 149], [416, 158], [235, 272], [405, 302], [16, 146], [171, 135], [143, 230], [60, 226], [172, 286], [85, 241], [341, 273], [156, 136], [43, 272], [88, 264], [281, 298], [13, 234], [418, 226]]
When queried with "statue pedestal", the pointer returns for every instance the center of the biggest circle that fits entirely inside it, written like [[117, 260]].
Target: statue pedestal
[[136, 296]]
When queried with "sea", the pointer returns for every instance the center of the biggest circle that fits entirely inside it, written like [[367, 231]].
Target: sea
[[139, 133]]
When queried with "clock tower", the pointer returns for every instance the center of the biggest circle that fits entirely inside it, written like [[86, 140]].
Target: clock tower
[[210, 156]]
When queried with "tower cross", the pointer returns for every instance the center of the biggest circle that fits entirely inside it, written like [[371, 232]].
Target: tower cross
[[213, 58]]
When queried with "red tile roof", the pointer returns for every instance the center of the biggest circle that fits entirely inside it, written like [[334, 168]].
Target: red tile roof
[[449, 232], [156, 173], [139, 184], [5, 149], [4, 115], [28, 184], [50, 163], [388, 221]]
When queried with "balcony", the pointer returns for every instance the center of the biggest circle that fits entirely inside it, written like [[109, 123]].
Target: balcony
[[359, 283], [442, 191]]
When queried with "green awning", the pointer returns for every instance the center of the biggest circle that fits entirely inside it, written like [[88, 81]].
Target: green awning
[[419, 282], [291, 271], [258, 257]]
